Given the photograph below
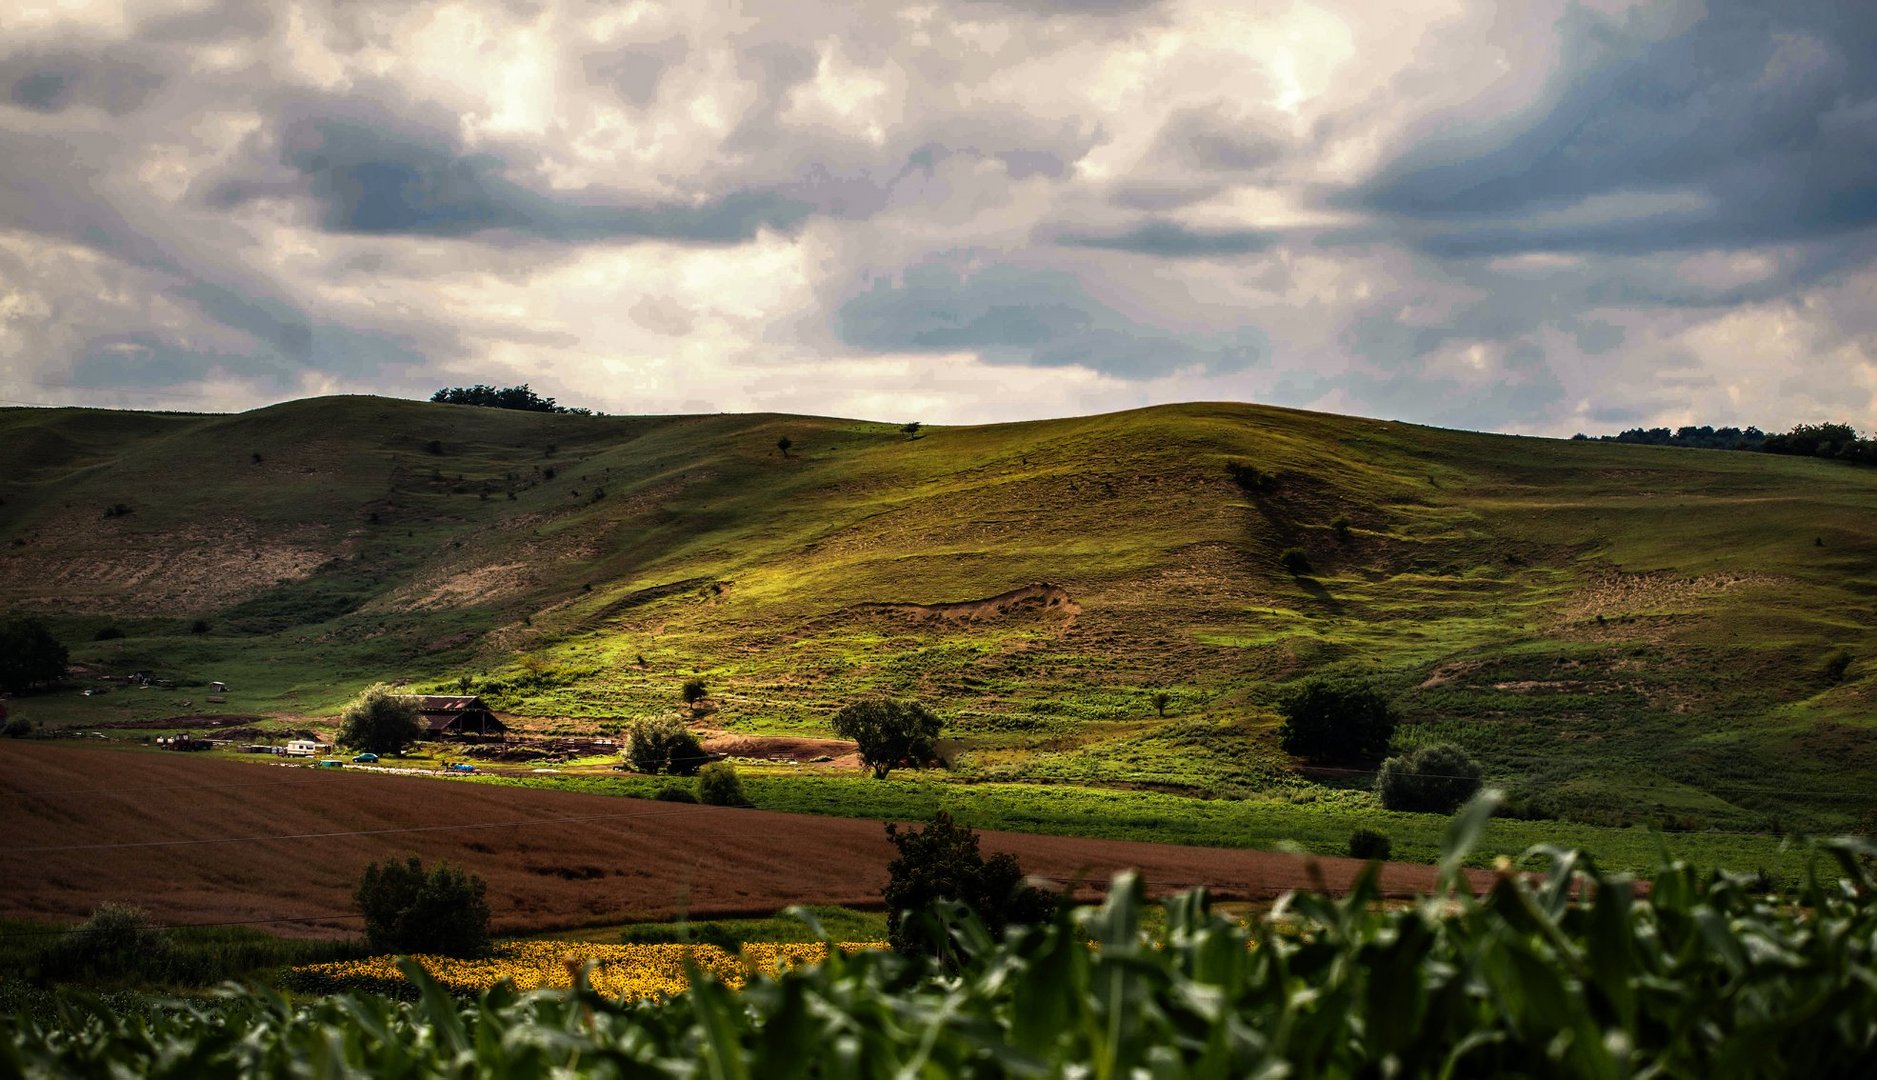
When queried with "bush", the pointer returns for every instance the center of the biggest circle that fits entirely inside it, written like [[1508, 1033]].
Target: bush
[[942, 862], [1341, 528], [30, 656], [1328, 723], [200, 626], [108, 633], [890, 733], [379, 720], [1836, 665], [406, 910], [719, 785], [675, 794], [1251, 479], [1433, 779], [116, 943], [693, 691], [1294, 561], [1369, 844], [663, 745]]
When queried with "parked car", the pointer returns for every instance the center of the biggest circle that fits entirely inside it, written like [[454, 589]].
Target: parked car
[[366, 759]]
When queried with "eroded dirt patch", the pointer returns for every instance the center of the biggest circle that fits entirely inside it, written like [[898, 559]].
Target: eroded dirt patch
[[1039, 597]]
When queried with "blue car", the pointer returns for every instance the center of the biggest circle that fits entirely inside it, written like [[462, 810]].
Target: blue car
[[365, 759]]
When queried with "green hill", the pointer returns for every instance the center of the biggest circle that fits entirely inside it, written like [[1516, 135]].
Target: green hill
[[1620, 634]]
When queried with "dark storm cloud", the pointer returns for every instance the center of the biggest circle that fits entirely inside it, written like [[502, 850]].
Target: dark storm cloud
[[1017, 315], [52, 82], [1167, 240], [365, 171], [1764, 114]]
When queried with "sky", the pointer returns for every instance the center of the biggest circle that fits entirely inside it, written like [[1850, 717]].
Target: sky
[[1540, 217]]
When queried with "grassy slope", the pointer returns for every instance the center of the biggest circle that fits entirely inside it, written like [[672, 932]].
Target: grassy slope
[[1622, 634]]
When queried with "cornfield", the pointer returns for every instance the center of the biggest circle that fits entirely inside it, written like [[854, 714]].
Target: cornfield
[[1572, 973]]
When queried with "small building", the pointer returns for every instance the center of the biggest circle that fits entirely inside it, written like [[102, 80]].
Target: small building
[[446, 716]]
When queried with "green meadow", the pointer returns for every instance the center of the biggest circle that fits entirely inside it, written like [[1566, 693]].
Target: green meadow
[[1629, 639]]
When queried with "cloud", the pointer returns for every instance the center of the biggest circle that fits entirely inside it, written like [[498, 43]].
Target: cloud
[[362, 171], [1754, 124], [1022, 316], [1165, 239]]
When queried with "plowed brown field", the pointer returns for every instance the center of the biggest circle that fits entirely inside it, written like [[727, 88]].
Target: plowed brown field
[[196, 840]]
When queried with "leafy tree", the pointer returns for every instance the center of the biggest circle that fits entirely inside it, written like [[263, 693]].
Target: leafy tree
[[30, 656], [1329, 723], [1433, 779], [406, 910], [719, 785], [694, 691], [890, 733], [509, 397], [117, 942], [942, 862], [1161, 700], [379, 720], [663, 745], [1369, 844], [911, 430], [783, 444]]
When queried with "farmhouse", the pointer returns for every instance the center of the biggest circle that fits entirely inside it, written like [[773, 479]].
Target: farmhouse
[[444, 716]]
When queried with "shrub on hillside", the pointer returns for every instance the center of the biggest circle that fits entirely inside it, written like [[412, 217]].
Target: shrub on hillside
[[17, 727], [1369, 844], [890, 734], [719, 785], [942, 862], [1251, 479], [657, 745], [407, 910], [694, 691], [379, 720], [675, 794], [1332, 723], [30, 657], [1294, 561], [1836, 665], [108, 633], [1433, 779]]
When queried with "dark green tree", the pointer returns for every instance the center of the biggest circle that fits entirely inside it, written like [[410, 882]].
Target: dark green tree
[[1432, 779], [663, 745], [406, 910], [719, 785], [891, 734], [379, 720], [783, 444], [1331, 723], [508, 397], [694, 691], [1161, 700], [30, 657], [942, 862]]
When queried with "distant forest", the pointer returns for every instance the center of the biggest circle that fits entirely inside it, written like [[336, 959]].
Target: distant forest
[[1840, 442], [507, 397]]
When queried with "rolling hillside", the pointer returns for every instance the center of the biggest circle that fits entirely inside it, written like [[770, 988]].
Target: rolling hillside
[[1621, 634]]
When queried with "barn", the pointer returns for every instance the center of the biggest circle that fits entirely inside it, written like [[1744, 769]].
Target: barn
[[445, 716]]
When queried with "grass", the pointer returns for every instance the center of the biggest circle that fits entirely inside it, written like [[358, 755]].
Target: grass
[[1623, 636]]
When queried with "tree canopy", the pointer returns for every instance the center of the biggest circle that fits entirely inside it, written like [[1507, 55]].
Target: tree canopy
[[1331, 723], [942, 862], [507, 397], [409, 911], [890, 733], [30, 657], [379, 720]]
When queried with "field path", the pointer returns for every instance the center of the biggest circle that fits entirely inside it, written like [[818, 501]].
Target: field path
[[194, 839]]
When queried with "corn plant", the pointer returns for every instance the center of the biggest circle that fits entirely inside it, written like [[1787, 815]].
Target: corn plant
[[1571, 973]]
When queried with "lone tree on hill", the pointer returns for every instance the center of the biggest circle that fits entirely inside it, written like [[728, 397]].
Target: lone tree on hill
[[1328, 723], [662, 745], [1433, 779], [380, 720], [942, 862], [890, 733], [409, 911], [30, 656], [1161, 700], [783, 444], [694, 691]]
